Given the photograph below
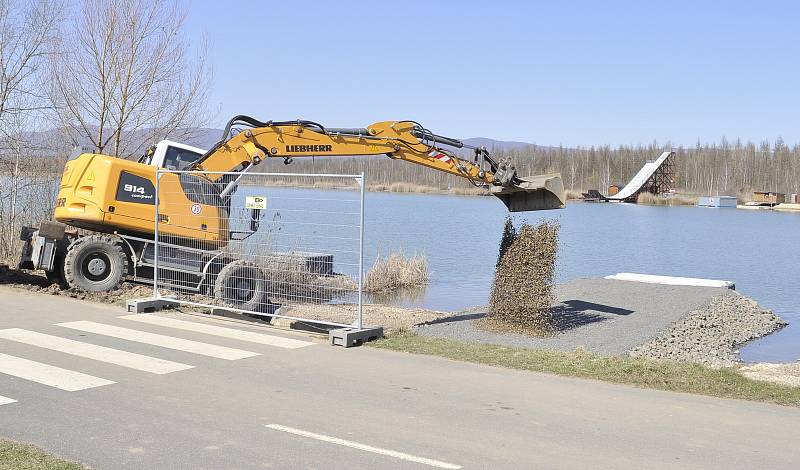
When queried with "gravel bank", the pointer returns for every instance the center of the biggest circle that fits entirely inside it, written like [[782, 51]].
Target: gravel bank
[[612, 317], [712, 334]]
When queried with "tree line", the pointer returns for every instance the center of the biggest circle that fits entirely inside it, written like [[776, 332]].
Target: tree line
[[726, 168]]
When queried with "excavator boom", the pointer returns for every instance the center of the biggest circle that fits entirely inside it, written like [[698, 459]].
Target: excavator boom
[[402, 140]]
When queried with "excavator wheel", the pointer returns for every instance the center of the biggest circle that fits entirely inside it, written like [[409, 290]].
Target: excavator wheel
[[242, 285], [95, 263]]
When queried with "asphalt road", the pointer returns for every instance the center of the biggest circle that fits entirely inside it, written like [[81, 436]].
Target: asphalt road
[[259, 401]]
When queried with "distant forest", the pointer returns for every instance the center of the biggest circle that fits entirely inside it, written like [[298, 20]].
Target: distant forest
[[726, 168]]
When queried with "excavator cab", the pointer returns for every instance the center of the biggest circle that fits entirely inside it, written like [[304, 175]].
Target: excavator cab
[[171, 155]]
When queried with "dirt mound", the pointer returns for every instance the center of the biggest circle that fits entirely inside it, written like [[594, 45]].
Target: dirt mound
[[522, 292], [37, 282]]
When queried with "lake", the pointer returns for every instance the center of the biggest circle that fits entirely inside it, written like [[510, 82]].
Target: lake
[[460, 235]]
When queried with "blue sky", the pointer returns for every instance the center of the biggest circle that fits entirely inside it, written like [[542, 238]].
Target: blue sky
[[572, 73]]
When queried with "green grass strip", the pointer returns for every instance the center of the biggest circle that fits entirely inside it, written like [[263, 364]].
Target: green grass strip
[[18, 456], [645, 373]]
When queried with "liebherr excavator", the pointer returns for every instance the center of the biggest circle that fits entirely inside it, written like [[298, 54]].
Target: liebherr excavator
[[114, 198]]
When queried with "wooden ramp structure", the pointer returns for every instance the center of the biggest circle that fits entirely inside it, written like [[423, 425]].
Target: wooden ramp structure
[[656, 177]]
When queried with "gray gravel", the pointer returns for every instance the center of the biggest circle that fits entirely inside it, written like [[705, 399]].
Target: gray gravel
[[712, 334], [615, 317]]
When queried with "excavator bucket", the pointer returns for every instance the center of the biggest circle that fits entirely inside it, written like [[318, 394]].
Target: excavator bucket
[[534, 193]]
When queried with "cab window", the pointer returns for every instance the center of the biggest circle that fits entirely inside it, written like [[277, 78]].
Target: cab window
[[179, 159]]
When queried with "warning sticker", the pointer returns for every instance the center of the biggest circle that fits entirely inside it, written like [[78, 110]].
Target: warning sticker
[[255, 202], [196, 209]]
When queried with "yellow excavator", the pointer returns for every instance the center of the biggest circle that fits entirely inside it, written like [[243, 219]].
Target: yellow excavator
[[113, 199]]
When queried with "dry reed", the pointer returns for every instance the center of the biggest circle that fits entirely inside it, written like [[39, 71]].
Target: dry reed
[[674, 200], [396, 271]]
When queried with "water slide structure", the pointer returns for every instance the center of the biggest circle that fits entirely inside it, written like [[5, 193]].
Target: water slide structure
[[656, 177]]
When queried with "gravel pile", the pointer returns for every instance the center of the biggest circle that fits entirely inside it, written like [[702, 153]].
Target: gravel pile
[[712, 334]]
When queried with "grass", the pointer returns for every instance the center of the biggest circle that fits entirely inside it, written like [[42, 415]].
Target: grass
[[18, 456], [645, 373], [396, 271]]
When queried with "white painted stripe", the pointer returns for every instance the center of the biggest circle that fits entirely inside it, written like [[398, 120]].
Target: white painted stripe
[[169, 342], [91, 351], [671, 280], [364, 447], [53, 376], [6, 400], [215, 330]]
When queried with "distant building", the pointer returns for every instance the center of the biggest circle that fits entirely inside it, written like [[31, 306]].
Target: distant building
[[768, 197], [794, 198]]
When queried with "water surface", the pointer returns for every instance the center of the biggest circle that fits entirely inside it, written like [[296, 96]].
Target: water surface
[[758, 250]]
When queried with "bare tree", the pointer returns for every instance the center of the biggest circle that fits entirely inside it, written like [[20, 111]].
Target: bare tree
[[126, 76], [27, 34]]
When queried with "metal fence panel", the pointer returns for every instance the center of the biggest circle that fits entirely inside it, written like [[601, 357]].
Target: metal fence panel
[[269, 244]]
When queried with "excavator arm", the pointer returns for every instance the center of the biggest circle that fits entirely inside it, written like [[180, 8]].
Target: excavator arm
[[401, 140]]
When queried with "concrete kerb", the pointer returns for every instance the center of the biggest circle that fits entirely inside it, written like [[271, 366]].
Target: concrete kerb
[[348, 337], [149, 304]]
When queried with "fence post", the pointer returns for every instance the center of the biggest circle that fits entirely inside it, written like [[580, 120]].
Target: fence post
[[359, 322], [156, 294]]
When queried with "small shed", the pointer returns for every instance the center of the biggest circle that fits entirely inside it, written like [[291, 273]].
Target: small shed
[[613, 189], [717, 201], [769, 197], [794, 199]]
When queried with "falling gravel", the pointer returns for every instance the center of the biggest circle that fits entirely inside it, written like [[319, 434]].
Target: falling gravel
[[713, 334], [522, 291]]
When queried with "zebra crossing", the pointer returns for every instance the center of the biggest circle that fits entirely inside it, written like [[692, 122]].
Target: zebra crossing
[[73, 381]]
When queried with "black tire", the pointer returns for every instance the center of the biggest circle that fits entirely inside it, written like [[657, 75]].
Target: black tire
[[242, 285], [96, 263]]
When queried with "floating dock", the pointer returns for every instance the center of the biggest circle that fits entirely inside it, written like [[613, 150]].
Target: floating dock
[[717, 201], [672, 280]]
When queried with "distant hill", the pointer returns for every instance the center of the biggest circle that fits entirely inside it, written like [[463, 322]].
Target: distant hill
[[206, 137], [497, 145]]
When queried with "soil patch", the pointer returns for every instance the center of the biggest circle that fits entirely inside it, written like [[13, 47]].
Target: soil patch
[[786, 374], [391, 318], [35, 281]]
